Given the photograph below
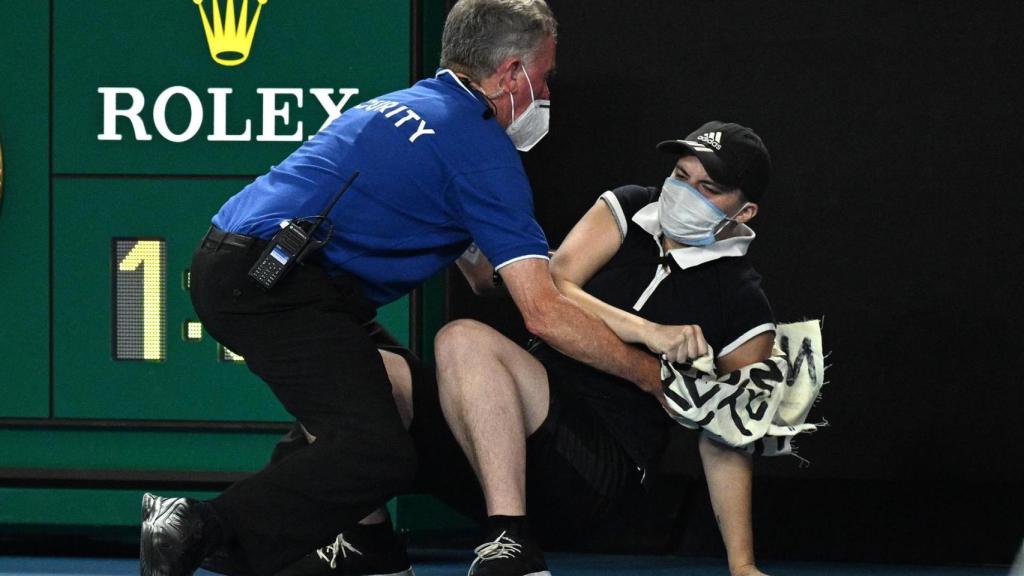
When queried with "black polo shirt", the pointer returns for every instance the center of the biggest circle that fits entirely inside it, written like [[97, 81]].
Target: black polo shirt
[[714, 287]]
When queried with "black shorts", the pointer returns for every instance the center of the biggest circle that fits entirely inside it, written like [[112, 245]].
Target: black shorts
[[577, 474]]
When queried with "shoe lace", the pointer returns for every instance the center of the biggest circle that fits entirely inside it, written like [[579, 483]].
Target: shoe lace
[[341, 546], [501, 547]]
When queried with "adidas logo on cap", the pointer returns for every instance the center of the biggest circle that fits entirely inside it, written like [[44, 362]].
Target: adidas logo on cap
[[713, 139]]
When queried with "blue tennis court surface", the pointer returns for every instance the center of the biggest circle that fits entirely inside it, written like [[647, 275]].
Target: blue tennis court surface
[[452, 563]]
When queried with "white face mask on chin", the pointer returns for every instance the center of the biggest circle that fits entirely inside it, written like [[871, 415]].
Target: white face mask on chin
[[532, 125]]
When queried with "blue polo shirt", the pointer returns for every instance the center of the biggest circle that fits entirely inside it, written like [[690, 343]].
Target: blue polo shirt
[[436, 174]]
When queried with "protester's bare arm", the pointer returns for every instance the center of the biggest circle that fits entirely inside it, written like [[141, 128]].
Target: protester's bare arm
[[730, 478], [590, 245], [755, 350], [573, 331], [729, 472]]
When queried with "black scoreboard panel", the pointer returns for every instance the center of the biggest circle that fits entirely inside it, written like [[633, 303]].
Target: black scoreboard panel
[[126, 342]]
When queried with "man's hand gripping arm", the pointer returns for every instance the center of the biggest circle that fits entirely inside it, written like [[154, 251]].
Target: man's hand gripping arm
[[573, 331]]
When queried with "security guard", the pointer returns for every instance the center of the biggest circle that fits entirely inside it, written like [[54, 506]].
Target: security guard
[[438, 169]]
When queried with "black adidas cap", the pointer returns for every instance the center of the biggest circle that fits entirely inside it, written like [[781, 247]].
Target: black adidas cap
[[733, 155]]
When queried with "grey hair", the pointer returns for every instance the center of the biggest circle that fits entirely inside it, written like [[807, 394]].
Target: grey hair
[[480, 34]]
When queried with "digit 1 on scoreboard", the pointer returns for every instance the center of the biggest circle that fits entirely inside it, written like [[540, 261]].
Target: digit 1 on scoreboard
[[140, 300]]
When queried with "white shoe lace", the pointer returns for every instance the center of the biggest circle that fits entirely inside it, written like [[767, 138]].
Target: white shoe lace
[[500, 547], [341, 546]]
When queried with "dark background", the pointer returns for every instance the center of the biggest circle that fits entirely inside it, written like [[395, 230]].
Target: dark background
[[895, 130]]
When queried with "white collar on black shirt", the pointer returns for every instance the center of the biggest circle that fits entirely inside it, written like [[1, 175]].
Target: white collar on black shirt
[[736, 244]]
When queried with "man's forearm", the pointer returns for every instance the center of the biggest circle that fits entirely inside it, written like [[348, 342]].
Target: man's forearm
[[628, 327], [582, 336]]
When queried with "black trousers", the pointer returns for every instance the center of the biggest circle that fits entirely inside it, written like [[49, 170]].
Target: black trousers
[[308, 339], [578, 477]]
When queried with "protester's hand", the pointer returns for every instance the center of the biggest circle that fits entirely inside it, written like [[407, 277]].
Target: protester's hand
[[679, 343]]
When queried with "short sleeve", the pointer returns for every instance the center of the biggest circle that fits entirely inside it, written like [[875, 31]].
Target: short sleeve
[[496, 207], [746, 310], [625, 201]]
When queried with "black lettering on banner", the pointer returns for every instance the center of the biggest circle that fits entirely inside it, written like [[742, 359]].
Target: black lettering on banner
[[733, 378], [691, 387], [679, 400], [698, 398], [707, 419], [806, 352], [665, 388], [730, 401], [763, 378], [758, 414]]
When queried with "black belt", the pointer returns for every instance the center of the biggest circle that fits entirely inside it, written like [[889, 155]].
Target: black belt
[[219, 237]]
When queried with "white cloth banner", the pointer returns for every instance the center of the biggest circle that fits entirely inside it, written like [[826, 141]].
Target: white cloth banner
[[758, 407]]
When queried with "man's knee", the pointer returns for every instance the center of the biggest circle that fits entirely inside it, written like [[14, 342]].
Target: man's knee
[[457, 338]]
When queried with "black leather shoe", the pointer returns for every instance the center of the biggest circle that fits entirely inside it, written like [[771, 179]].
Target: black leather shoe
[[173, 542]]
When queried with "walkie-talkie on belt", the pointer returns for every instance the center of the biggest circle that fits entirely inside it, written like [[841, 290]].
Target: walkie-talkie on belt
[[295, 240]]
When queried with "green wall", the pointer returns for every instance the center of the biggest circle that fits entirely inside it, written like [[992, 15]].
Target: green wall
[[24, 210]]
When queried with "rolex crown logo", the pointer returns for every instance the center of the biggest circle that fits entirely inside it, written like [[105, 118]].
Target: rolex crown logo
[[230, 37]]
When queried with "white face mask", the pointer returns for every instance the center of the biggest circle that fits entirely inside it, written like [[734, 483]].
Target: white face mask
[[531, 125], [687, 217]]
